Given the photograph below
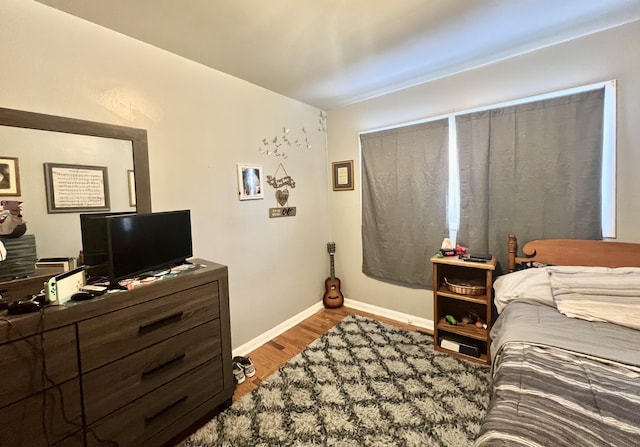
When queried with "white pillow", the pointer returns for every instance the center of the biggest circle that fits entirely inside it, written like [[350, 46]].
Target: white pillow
[[577, 269], [611, 295], [530, 284]]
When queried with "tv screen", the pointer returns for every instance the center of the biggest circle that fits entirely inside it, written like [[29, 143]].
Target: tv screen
[[95, 249], [141, 243]]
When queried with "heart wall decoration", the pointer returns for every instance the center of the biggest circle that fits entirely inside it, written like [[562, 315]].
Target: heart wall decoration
[[281, 179], [282, 196]]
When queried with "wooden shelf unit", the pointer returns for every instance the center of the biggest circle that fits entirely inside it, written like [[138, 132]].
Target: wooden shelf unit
[[446, 302]]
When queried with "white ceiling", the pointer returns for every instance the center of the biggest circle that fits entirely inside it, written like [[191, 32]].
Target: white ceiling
[[329, 53]]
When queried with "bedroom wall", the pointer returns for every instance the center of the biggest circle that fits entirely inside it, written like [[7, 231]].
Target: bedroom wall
[[200, 124], [611, 54]]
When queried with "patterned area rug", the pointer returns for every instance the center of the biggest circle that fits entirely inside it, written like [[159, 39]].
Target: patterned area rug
[[363, 383]]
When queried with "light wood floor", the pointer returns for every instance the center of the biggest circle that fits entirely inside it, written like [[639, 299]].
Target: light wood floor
[[269, 357]]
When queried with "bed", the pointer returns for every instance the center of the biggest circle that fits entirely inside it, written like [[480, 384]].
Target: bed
[[566, 347]]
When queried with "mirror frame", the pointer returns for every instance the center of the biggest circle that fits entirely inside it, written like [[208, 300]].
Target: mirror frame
[[138, 138]]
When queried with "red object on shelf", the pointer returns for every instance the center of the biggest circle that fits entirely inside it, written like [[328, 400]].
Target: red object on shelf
[[460, 250]]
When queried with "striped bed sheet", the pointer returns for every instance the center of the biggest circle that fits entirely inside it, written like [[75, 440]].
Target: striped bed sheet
[[546, 395]]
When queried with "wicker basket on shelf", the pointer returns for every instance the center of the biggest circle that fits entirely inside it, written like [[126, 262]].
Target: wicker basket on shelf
[[465, 287]]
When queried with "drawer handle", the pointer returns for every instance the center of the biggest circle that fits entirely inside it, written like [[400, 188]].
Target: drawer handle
[[149, 419], [150, 327], [166, 364]]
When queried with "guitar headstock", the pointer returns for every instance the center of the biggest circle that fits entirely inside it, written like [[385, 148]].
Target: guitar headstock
[[331, 247]]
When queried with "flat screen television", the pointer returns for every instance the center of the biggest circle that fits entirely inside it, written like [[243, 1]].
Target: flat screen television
[[135, 244], [95, 245], [142, 243], [95, 250]]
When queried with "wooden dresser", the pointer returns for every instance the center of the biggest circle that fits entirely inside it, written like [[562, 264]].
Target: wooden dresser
[[133, 368]]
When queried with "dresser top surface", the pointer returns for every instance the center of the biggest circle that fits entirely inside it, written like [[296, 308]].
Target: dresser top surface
[[53, 316]]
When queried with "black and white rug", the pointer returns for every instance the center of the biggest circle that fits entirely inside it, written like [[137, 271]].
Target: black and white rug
[[363, 383]]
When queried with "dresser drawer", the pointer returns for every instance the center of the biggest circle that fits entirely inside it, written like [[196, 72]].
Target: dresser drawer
[[22, 423], [108, 388], [22, 361], [145, 417], [118, 334], [75, 440]]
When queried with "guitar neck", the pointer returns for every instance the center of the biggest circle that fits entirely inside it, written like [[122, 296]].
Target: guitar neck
[[333, 274]]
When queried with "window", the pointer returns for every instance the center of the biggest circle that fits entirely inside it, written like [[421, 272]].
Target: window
[[404, 193], [475, 158]]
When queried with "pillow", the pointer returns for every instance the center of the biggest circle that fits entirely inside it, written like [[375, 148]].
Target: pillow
[[581, 269], [598, 294], [530, 265], [530, 284]]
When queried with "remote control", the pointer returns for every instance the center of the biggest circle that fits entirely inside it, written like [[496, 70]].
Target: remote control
[[95, 290], [23, 307], [485, 256], [470, 259]]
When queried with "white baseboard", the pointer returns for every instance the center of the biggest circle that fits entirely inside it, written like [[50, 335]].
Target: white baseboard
[[263, 338], [391, 314]]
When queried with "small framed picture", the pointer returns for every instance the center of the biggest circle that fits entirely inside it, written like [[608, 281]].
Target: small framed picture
[[342, 175], [250, 182], [9, 176], [131, 180]]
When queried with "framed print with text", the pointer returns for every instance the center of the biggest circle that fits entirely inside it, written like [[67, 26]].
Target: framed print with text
[[342, 175], [75, 188]]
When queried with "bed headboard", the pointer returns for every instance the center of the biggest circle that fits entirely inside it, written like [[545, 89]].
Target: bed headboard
[[575, 252]]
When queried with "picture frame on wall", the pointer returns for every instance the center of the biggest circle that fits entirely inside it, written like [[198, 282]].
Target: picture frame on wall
[[250, 184], [342, 173], [9, 176], [76, 188]]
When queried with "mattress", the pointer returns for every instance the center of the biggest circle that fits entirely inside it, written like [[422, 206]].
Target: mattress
[[560, 381]]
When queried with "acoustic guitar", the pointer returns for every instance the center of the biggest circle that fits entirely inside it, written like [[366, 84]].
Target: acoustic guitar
[[332, 296]]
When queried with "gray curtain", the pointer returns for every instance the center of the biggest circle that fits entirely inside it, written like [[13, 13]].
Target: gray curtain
[[404, 186], [532, 169]]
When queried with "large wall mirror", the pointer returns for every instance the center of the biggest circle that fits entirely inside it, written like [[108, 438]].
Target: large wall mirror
[[39, 144]]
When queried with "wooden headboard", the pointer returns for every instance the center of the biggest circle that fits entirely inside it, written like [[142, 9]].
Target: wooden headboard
[[575, 252]]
